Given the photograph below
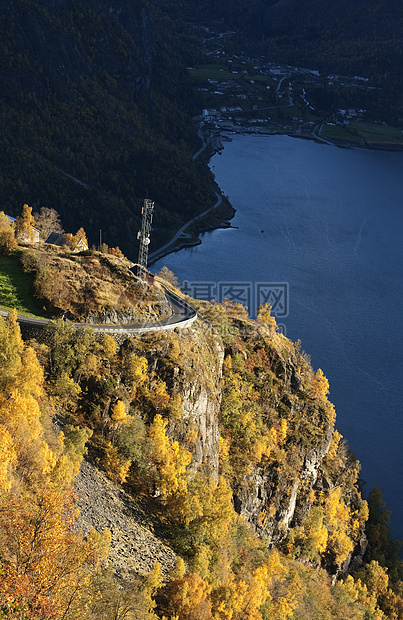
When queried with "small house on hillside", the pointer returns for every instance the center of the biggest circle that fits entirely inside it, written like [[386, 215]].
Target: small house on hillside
[[55, 238], [33, 236], [77, 243]]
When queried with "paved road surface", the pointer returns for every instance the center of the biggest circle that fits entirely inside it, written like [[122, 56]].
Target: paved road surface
[[165, 248], [183, 315]]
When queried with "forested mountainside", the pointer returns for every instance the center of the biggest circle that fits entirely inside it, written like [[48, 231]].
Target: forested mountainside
[[96, 104], [220, 439], [351, 38], [95, 109]]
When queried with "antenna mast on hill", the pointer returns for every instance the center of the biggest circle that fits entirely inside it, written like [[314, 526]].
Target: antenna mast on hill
[[144, 237]]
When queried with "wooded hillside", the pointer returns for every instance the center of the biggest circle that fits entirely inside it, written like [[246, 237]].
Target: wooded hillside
[[95, 111], [225, 436], [96, 104]]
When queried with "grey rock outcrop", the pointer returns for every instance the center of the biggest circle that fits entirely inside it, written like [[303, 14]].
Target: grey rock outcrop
[[200, 379]]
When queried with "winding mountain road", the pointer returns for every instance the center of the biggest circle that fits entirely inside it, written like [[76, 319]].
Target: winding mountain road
[[183, 315], [165, 249]]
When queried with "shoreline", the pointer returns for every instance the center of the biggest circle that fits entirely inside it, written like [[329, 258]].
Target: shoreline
[[337, 142], [216, 144]]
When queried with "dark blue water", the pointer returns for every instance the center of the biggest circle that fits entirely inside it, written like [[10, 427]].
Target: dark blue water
[[329, 222]]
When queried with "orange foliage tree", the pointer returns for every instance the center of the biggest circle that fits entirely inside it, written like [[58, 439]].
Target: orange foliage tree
[[45, 565], [43, 559]]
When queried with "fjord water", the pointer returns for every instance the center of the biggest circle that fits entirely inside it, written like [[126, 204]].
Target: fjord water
[[329, 221]]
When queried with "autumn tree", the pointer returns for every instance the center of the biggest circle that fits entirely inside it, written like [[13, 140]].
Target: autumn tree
[[264, 316], [7, 236], [117, 252], [24, 225], [135, 372], [119, 415], [187, 598], [79, 240], [11, 347], [47, 221], [169, 461], [107, 598], [319, 385], [42, 557], [169, 276], [44, 564], [115, 465], [309, 540], [242, 597], [75, 440]]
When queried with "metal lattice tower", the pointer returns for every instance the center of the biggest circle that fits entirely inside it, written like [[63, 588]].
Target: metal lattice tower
[[144, 236]]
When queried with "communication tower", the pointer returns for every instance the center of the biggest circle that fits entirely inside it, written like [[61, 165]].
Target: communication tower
[[144, 237]]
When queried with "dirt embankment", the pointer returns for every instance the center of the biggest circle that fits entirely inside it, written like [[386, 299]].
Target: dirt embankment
[[92, 287]]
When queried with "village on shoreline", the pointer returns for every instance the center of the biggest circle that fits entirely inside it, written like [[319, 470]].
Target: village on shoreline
[[244, 94]]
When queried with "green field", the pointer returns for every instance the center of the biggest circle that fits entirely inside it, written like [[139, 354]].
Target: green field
[[339, 132], [363, 132], [374, 132], [222, 72], [16, 288], [212, 72]]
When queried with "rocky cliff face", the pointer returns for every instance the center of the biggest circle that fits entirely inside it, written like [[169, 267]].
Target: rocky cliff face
[[264, 488], [273, 498], [274, 494], [248, 408], [200, 376]]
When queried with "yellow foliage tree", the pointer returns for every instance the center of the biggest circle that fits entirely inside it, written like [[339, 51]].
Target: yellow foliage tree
[[320, 385], [11, 348], [79, 241], [170, 460], [24, 225], [136, 373], [44, 564], [189, 598], [30, 378], [8, 242], [108, 348], [119, 415], [242, 598], [179, 569], [42, 557], [21, 416], [116, 468], [150, 588], [8, 457], [158, 395], [338, 523], [264, 316], [310, 539]]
